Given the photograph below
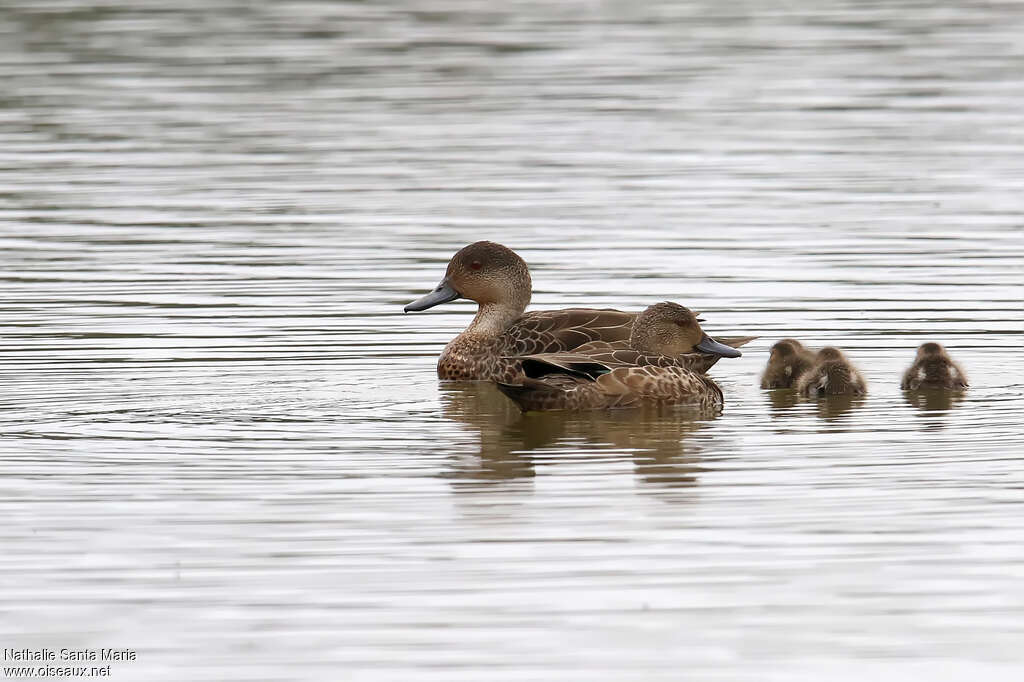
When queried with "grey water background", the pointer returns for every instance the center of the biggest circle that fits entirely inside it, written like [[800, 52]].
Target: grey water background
[[222, 444]]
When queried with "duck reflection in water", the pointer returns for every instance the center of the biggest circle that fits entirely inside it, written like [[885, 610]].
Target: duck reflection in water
[[504, 450], [657, 438]]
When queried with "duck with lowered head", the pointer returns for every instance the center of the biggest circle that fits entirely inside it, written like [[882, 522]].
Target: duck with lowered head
[[656, 376], [933, 369], [498, 280], [832, 374]]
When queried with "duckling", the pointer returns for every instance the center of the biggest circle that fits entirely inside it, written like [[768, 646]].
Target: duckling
[[659, 335], [933, 368], [832, 374], [788, 360], [499, 281]]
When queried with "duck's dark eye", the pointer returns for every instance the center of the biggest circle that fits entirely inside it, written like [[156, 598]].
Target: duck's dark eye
[[475, 265]]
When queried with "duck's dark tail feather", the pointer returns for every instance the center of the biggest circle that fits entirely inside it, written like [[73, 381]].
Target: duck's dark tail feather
[[531, 394], [515, 392]]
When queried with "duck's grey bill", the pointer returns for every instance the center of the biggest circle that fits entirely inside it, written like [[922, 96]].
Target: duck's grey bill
[[442, 294], [709, 345]]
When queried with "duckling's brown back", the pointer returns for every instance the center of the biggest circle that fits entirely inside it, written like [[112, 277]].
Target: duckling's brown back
[[832, 377], [934, 372]]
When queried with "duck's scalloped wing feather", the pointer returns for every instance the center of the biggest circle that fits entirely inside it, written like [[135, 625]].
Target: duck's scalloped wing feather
[[542, 365], [552, 331]]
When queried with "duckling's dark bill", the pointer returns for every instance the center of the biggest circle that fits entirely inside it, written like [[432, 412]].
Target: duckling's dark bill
[[442, 294], [709, 345]]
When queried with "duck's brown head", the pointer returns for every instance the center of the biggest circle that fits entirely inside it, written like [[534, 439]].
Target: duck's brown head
[[786, 349], [829, 354], [670, 329], [485, 272], [930, 349]]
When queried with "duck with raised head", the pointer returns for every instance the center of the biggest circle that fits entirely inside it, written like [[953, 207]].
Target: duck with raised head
[[832, 374], [788, 360], [655, 375], [933, 368], [498, 280]]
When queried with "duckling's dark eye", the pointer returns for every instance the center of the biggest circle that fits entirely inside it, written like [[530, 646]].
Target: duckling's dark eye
[[475, 265]]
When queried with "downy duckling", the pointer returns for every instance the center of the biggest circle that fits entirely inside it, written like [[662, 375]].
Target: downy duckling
[[788, 360], [832, 374], [933, 368]]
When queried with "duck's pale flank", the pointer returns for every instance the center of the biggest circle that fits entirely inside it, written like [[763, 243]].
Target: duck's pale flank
[[933, 369], [789, 359], [499, 281], [655, 374], [832, 374]]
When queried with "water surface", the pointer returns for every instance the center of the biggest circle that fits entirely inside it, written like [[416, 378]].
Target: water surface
[[224, 445]]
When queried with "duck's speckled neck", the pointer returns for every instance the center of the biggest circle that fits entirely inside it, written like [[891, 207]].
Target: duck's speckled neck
[[476, 353], [492, 319]]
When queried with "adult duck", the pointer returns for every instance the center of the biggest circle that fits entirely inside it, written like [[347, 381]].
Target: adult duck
[[499, 281], [652, 372]]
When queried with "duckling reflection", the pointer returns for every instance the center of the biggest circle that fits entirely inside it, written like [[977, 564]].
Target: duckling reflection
[[934, 400], [832, 408], [780, 400], [657, 438], [933, 405]]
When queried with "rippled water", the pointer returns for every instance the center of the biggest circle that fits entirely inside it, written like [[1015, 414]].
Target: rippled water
[[224, 445]]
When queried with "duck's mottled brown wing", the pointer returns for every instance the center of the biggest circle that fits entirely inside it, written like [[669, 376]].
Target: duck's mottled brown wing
[[614, 355], [600, 361], [592, 347], [552, 331], [594, 364], [565, 381], [602, 334], [627, 386]]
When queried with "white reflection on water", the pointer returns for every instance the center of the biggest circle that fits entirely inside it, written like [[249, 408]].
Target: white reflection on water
[[224, 445]]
